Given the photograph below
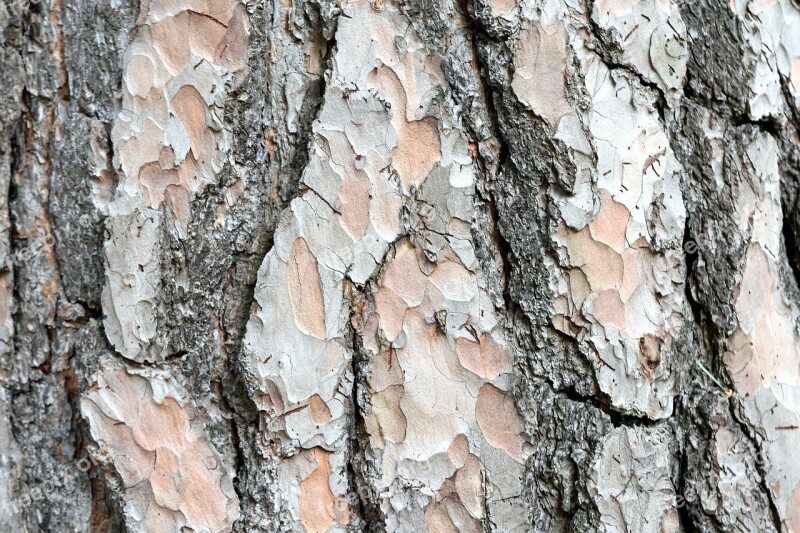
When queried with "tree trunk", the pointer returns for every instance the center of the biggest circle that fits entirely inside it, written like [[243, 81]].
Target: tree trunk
[[383, 265]]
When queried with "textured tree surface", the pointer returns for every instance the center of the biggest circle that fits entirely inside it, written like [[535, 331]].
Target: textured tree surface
[[400, 265]]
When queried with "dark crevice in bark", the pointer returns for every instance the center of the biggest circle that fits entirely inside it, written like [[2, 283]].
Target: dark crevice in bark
[[691, 249], [729, 110], [488, 525], [89, 311], [706, 331], [710, 350], [504, 163], [747, 431], [240, 283], [793, 108], [362, 497], [235, 400], [252, 260], [505, 252], [71, 433], [518, 317], [733, 106], [606, 57], [602, 403], [15, 245], [791, 243], [475, 29], [17, 153], [14, 388], [106, 514], [770, 124], [312, 105], [684, 516]]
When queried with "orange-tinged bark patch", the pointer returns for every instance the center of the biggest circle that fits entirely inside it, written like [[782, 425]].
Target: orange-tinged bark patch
[[539, 77], [386, 408], [139, 75], [417, 152], [438, 520], [191, 108], [454, 281], [161, 426], [498, 419], [177, 198], [502, 7], [169, 40], [354, 196], [205, 35], [5, 297], [232, 51], [742, 364], [486, 358], [469, 486], [611, 222], [316, 498], [203, 507], [793, 511], [153, 182], [164, 480], [458, 450], [418, 146], [602, 266], [172, 476], [404, 277], [320, 413], [392, 309], [305, 290], [650, 353], [609, 309]]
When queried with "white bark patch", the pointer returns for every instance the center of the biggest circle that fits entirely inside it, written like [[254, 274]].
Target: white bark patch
[[387, 195], [772, 30], [618, 278], [154, 437], [763, 353], [652, 37], [630, 463], [169, 144], [442, 418]]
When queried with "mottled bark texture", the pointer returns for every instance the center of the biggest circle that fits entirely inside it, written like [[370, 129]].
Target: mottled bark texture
[[400, 265]]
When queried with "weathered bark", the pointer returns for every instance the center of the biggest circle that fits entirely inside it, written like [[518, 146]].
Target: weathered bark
[[384, 265]]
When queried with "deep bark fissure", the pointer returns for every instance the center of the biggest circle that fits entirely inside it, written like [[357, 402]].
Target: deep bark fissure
[[760, 451], [613, 64], [357, 468], [711, 346], [790, 241]]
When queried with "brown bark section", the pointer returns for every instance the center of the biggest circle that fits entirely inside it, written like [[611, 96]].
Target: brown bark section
[[393, 266]]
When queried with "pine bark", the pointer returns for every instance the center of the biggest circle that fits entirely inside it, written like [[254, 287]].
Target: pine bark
[[399, 265]]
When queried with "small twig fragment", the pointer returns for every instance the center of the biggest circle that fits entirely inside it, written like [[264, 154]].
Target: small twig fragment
[[728, 392]]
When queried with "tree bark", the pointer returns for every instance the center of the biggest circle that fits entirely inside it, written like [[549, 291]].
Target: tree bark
[[400, 265]]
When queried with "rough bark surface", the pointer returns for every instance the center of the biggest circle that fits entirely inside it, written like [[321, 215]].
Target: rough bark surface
[[400, 265]]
